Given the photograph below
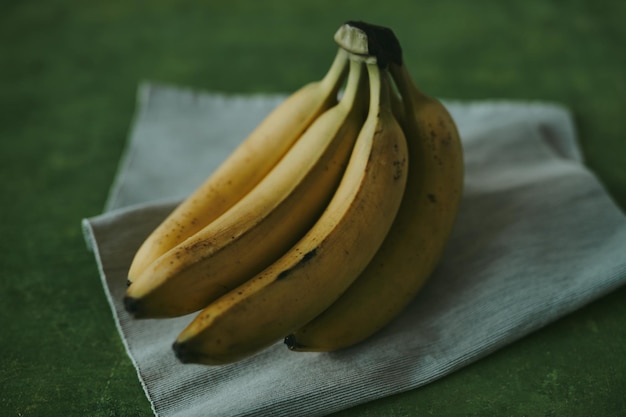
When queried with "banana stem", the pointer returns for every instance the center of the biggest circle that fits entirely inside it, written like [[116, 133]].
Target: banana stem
[[380, 89], [375, 87], [337, 69], [403, 80], [354, 79], [365, 39], [352, 39]]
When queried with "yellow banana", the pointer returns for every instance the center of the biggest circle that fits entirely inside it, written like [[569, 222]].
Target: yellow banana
[[314, 272], [261, 226], [245, 167], [420, 231]]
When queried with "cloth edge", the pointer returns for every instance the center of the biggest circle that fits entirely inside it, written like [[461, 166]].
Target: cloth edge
[[90, 238]]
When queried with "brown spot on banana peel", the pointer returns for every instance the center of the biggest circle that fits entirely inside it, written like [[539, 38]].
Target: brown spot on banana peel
[[307, 257], [399, 168]]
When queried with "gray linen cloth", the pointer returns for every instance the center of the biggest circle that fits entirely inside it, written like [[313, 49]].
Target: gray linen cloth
[[537, 237]]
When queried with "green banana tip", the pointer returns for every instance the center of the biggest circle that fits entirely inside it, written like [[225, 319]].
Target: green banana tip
[[381, 42]]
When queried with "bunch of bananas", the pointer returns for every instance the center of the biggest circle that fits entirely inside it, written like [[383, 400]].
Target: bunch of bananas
[[321, 226]]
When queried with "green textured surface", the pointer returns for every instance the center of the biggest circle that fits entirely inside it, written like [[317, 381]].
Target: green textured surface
[[68, 76]]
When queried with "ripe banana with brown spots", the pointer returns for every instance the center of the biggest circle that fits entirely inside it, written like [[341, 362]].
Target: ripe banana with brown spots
[[263, 224], [245, 167], [424, 222], [311, 275]]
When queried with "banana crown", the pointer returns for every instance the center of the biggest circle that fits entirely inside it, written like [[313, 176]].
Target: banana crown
[[370, 41]]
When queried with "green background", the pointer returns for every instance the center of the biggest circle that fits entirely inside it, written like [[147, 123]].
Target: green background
[[68, 76]]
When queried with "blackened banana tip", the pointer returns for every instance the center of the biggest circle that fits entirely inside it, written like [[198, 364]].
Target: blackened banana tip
[[131, 305], [291, 342], [185, 354], [180, 350]]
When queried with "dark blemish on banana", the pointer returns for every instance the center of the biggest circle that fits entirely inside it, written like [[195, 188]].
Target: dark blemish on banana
[[306, 258], [399, 167], [284, 274], [432, 198]]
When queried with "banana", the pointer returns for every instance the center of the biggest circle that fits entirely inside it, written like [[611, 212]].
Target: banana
[[245, 167], [421, 229], [324, 263], [264, 224]]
